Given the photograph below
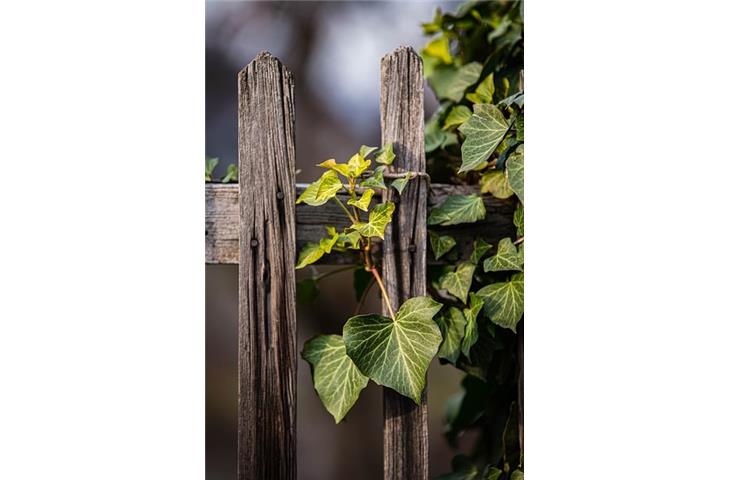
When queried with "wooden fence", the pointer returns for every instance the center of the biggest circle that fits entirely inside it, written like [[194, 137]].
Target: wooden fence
[[257, 225]]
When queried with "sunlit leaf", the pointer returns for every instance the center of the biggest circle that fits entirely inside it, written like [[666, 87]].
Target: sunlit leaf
[[438, 48], [379, 218], [332, 164], [458, 282], [495, 182], [364, 201], [365, 150], [357, 164], [483, 132], [385, 155], [337, 380], [210, 164], [507, 258], [396, 352], [457, 115], [376, 180], [400, 183], [310, 253], [458, 209], [231, 173], [504, 301], [319, 192], [484, 91]]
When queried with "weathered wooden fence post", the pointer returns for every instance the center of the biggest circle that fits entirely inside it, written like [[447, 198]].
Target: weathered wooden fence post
[[405, 429], [267, 358]]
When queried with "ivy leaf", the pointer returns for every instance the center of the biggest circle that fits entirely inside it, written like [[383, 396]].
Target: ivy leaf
[[357, 164], [400, 183], [440, 244], [326, 244], [310, 253], [515, 169], [365, 150], [458, 282], [319, 192], [495, 182], [520, 127], [464, 78], [376, 180], [483, 132], [210, 164], [484, 91], [364, 202], [396, 352], [438, 48], [494, 473], [507, 258], [519, 219], [337, 380], [385, 155], [516, 99], [452, 323], [231, 173], [480, 248], [348, 240], [458, 209], [457, 115], [471, 328], [517, 475], [332, 164], [307, 291], [504, 301], [379, 218]]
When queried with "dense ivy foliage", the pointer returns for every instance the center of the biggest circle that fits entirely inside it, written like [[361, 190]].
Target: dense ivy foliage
[[474, 65]]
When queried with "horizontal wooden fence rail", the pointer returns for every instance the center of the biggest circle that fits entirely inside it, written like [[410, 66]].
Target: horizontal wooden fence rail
[[222, 213]]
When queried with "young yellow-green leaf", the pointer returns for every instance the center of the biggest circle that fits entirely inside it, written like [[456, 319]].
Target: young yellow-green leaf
[[458, 209], [364, 202], [440, 244], [480, 248], [337, 380], [365, 150], [349, 239], [376, 180], [471, 328], [400, 183], [309, 254], [452, 324], [484, 91], [519, 219], [464, 78], [515, 168], [210, 164], [319, 192], [379, 218], [495, 182], [458, 115], [396, 352], [458, 282], [438, 48], [483, 132], [504, 301], [357, 164], [385, 155], [332, 164], [507, 258], [231, 173], [326, 244]]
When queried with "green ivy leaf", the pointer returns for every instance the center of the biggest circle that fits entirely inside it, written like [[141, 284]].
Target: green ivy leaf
[[310, 253], [464, 78], [452, 323], [520, 127], [396, 352], [400, 183], [319, 192], [376, 180], [495, 182], [504, 301], [231, 173], [519, 219], [484, 91], [337, 380], [457, 115], [517, 475], [471, 328], [458, 282], [326, 244], [364, 202], [307, 291], [483, 132], [379, 218], [349, 239], [515, 172], [458, 209], [365, 150], [507, 258], [385, 155], [332, 164], [440, 244], [438, 48], [357, 164], [210, 164], [515, 99], [480, 248]]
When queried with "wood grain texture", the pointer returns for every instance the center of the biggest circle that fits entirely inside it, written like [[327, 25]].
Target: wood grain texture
[[405, 427], [221, 223], [267, 358]]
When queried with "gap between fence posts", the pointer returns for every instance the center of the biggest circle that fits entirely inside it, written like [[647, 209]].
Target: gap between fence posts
[[405, 427], [267, 334]]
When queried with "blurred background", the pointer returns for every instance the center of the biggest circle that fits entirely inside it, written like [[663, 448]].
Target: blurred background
[[334, 50]]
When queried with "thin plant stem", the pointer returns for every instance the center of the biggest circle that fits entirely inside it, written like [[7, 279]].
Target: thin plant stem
[[375, 273], [344, 208]]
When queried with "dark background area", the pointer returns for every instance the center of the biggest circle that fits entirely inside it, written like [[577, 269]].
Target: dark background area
[[334, 50]]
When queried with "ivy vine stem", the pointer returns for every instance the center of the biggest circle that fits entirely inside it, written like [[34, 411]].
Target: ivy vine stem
[[344, 209]]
